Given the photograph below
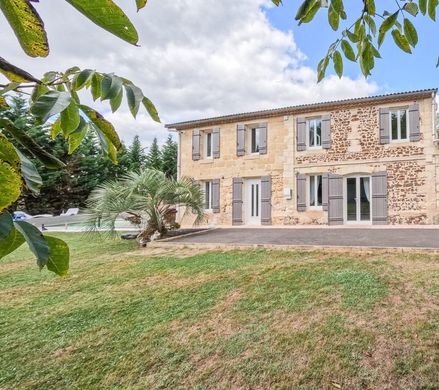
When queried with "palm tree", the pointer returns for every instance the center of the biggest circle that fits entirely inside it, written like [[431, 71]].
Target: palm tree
[[148, 197]]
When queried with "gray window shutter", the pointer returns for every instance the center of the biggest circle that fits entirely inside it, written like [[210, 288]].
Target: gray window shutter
[[237, 201], [301, 133], [326, 131], [266, 200], [379, 198], [301, 192], [240, 140], [384, 126], [335, 199], [216, 195], [263, 138], [196, 136], [216, 142], [415, 131], [325, 178]]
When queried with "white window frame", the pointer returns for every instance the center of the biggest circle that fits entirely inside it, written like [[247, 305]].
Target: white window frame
[[316, 192], [250, 130], [398, 110], [205, 143], [308, 143], [208, 206]]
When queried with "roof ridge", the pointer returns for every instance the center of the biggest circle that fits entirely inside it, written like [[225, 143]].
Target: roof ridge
[[279, 110]]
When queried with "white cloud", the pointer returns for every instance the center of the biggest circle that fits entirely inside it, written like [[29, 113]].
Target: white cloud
[[198, 58]]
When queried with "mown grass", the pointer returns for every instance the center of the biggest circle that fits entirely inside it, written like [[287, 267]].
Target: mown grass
[[132, 319]]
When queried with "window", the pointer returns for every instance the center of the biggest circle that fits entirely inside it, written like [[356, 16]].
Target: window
[[399, 124], [255, 139], [208, 144], [208, 195], [315, 191], [314, 130]]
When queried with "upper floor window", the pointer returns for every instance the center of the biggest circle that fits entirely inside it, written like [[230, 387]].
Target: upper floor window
[[315, 191], [399, 124], [208, 144], [254, 139], [314, 131], [208, 195]]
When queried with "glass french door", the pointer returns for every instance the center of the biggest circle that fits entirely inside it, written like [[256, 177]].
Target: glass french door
[[253, 202], [358, 199]]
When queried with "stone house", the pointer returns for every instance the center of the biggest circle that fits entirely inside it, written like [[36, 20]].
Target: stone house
[[370, 160]]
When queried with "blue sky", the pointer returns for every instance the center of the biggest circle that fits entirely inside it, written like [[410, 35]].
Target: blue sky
[[396, 71]]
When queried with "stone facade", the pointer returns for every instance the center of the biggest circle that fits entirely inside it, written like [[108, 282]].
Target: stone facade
[[412, 167]]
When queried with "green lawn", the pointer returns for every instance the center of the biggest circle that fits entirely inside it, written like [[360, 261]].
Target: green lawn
[[133, 319]]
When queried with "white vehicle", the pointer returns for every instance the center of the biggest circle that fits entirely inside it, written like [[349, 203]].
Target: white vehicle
[[22, 216]]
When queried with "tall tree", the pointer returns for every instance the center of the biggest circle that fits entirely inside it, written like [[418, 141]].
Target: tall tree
[[169, 157], [154, 156], [136, 155]]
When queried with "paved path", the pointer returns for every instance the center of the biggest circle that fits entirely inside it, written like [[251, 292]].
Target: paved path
[[364, 237]]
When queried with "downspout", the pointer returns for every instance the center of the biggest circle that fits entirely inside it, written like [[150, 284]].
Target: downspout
[[433, 117], [179, 156]]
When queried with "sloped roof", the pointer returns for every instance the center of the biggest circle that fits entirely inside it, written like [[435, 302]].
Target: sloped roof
[[377, 99]]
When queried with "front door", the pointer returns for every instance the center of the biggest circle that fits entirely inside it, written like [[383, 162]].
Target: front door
[[253, 202], [358, 200]]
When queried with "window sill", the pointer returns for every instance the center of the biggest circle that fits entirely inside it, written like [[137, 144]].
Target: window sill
[[314, 148], [207, 161], [315, 208], [252, 156], [399, 141]]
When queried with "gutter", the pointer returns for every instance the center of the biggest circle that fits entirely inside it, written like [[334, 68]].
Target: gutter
[[433, 117]]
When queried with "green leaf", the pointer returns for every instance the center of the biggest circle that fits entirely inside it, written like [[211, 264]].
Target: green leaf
[[55, 129], [30, 174], [411, 8], [109, 16], [82, 79], [106, 145], [103, 125], [4, 104], [39, 89], [8, 152], [10, 184], [29, 143], [333, 18], [386, 26], [352, 37], [348, 51], [27, 25], [116, 101], [70, 118], [134, 97], [338, 63], [423, 6], [432, 5], [321, 68], [15, 74], [96, 81], [9, 244], [152, 111], [401, 41], [371, 23], [312, 12], [410, 32], [437, 63], [59, 256], [6, 225], [77, 136], [36, 241], [49, 104], [140, 4], [366, 58], [370, 7], [110, 86]]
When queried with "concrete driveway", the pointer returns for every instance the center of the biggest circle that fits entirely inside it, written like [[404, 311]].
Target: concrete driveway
[[355, 237]]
